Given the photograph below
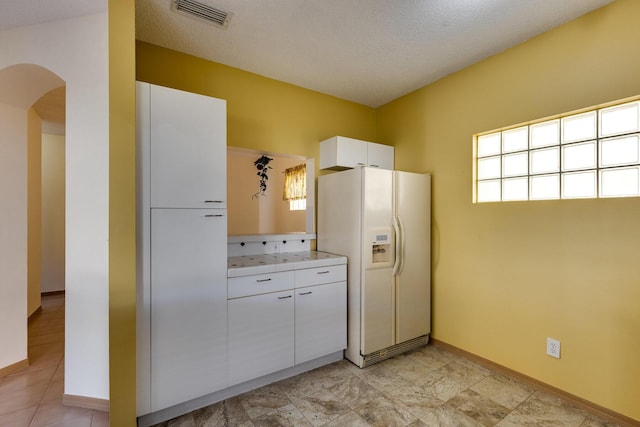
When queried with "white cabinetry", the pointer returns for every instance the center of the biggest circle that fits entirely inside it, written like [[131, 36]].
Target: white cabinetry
[[320, 320], [182, 247], [380, 156], [340, 152], [321, 311], [188, 149], [260, 335], [281, 319], [260, 284], [188, 305]]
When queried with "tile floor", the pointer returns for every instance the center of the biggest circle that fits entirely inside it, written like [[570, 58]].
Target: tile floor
[[33, 397], [426, 387]]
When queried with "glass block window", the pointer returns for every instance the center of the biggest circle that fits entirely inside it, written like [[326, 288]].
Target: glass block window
[[585, 155]]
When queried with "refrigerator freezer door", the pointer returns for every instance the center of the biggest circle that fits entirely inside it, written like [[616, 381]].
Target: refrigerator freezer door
[[377, 311], [340, 232], [377, 296], [412, 285]]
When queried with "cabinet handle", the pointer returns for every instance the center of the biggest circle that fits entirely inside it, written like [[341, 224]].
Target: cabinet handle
[[374, 166], [305, 293], [263, 280], [213, 216], [288, 296], [360, 164], [323, 272], [214, 201]]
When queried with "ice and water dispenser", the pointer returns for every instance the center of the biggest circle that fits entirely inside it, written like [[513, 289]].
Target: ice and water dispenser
[[381, 251]]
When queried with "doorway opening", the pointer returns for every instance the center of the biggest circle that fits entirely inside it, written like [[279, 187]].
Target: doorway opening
[[32, 173]]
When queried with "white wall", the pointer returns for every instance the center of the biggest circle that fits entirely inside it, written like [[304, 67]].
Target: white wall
[[53, 150], [77, 51]]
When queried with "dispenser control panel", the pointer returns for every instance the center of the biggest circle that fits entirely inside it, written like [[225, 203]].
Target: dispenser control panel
[[381, 239]]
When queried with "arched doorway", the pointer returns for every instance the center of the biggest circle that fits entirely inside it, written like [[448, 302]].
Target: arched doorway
[[21, 86]]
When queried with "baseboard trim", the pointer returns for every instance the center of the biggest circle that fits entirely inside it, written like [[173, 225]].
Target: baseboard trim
[[39, 309], [13, 368], [36, 311], [86, 402], [584, 404], [46, 294]]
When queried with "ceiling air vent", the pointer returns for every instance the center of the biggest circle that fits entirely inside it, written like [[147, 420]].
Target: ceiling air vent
[[203, 12]]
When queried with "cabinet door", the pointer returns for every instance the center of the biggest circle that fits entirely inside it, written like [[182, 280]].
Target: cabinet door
[[260, 335], [188, 304], [351, 152], [188, 149], [321, 320], [341, 152], [380, 156]]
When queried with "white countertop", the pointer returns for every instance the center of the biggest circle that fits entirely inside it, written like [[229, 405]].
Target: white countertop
[[270, 263]]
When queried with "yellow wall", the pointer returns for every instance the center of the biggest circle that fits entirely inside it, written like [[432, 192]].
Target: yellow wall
[[508, 275], [262, 113], [34, 228], [122, 214]]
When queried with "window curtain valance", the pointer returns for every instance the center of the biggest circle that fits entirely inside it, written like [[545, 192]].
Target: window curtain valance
[[295, 183]]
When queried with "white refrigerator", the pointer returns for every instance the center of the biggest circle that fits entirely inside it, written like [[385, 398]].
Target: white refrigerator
[[381, 220]]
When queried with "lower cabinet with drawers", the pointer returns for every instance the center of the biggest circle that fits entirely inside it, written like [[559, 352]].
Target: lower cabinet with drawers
[[260, 335], [281, 319]]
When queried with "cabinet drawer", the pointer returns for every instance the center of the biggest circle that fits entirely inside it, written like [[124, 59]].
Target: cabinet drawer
[[259, 284], [319, 275]]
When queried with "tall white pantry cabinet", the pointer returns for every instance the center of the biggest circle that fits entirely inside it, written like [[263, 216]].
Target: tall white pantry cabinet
[[182, 246]]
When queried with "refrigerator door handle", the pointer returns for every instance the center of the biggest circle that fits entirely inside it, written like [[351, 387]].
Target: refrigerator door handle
[[398, 255], [400, 237]]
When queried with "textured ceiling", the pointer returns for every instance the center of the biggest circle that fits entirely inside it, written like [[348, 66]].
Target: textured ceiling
[[367, 51]]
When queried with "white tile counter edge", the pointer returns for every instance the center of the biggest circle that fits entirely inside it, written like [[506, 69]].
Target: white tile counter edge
[[272, 265]]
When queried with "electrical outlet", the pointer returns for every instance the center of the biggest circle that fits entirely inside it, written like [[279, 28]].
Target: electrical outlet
[[553, 348]]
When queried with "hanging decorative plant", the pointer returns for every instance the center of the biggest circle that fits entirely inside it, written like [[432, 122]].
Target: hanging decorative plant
[[262, 164]]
